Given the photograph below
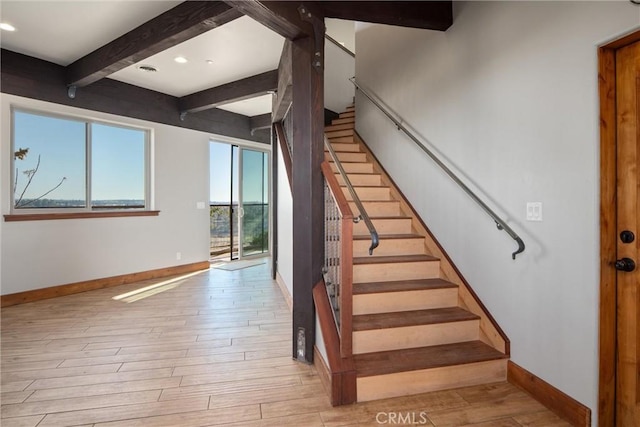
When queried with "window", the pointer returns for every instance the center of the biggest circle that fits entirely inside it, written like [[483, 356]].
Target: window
[[64, 163]]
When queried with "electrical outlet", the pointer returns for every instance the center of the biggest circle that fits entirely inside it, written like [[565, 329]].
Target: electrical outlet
[[178, 256], [534, 211]]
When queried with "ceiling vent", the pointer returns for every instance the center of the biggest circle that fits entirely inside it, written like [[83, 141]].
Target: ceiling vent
[[147, 68]]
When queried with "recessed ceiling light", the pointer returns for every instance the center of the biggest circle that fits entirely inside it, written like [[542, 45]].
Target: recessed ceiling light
[[7, 27], [181, 59], [209, 61], [147, 68]]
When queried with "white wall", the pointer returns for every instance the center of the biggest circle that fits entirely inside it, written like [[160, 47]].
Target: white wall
[[339, 67], [39, 254], [285, 226], [509, 95]]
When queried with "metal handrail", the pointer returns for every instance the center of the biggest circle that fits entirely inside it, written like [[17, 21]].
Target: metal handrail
[[337, 43], [363, 216], [499, 221]]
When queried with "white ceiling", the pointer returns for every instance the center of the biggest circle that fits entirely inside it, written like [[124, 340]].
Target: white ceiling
[[238, 49], [64, 31]]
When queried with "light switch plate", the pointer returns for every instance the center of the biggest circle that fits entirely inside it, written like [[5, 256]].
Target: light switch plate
[[534, 211], [199, 205]]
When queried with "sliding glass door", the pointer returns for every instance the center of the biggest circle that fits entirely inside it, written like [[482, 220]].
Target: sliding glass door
[[239, 183], [254, 202]]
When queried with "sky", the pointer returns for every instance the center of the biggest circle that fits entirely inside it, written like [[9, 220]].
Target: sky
[[117, 162], [117, 158], [255, 172]]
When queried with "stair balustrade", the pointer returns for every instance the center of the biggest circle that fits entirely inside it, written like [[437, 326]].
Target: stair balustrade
[[338, 257]]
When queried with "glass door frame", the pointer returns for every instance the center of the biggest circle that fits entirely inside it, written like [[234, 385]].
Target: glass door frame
[[254, 146], [241, 210]]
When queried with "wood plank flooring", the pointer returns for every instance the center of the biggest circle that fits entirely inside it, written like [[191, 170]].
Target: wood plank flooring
[[210, 349]]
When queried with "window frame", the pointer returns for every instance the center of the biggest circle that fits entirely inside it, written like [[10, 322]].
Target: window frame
[[88, 211]]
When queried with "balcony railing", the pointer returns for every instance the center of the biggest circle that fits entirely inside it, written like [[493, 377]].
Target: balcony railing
[[223, 225]]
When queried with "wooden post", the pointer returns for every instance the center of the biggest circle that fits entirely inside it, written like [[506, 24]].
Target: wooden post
[[308, 197]]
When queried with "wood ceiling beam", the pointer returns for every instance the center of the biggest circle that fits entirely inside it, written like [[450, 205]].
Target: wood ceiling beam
[[283, 17], [249, 87], [176, 25], [263, 121], [29, 77], [431, 15]]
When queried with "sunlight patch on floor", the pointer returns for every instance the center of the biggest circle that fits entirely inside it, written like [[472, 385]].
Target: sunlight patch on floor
[[156, 288]]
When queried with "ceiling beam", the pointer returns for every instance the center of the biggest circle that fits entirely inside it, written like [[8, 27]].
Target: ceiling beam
[[29, 77], [176, 25], [263, 121], [253, 86], [431, 15], [283, 17]]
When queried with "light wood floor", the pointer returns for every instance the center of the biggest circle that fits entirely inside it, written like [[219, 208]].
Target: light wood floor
[[212, 349]]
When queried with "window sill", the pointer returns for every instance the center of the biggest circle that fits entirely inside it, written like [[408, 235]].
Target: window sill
[[77, 215]]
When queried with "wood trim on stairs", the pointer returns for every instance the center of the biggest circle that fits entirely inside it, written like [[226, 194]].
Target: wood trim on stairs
[[555, 400], [284, 149], [90, 285], [446, 261], [341, 372]]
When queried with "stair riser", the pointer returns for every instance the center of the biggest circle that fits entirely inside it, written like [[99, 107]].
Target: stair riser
[[341, 126], [364, 273], [348, 157], [389, 247], [387, 302], [369, 193], [361, 179], [338, 133], [342, 121], [384, 226], [378, 208], [354, 167], [415, 336], [428, 380], [349, 114], [346, 147], [342, 140]]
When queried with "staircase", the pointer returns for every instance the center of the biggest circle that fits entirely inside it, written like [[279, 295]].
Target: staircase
[[417, 325]]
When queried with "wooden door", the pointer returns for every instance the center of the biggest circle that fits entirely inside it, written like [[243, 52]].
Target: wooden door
[[628, 200]]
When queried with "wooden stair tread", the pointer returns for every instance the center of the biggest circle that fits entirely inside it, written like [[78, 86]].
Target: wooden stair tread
[[399, 319], [366, 186], [389, 236], [359, 173], [401, 286], [393, 259], [412, 359], [389, 217]]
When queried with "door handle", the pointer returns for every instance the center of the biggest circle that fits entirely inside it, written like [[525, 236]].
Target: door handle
[[625, 264], [241, 213]]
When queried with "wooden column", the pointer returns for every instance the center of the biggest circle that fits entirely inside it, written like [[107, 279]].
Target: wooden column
[[274, 203], [308, 197]]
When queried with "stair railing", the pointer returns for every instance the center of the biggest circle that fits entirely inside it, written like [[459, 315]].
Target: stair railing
[[338, 256], [339, 45], [500, 223], [363, 216]]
